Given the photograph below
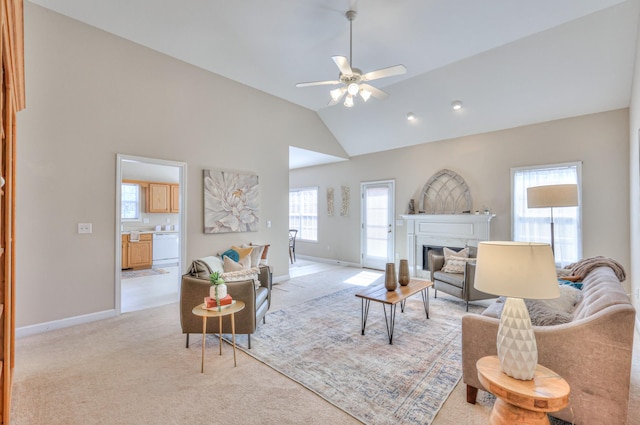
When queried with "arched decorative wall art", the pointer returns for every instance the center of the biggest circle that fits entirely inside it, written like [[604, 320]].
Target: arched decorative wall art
[[445, 193]]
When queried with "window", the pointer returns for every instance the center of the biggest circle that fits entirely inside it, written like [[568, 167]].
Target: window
[[130, 202], [533, 224], [303, 212]]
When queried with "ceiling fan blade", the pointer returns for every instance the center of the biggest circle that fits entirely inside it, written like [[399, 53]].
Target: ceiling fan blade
[[375, 92], [343, 64], [317, 83], [384, 72]]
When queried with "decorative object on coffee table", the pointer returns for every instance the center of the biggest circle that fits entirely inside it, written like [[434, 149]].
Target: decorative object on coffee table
[[516, 270], [403, 273], [390, 277], [522, 402]]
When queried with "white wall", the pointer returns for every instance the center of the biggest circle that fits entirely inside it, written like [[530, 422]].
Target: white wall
[[600, 141], [91, 95]]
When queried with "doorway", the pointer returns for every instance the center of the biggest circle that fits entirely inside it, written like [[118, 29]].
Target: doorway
[[378, 229], [143, 279]]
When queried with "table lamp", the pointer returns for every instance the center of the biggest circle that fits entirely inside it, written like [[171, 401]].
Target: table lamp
[[516, 270], [558, 195]]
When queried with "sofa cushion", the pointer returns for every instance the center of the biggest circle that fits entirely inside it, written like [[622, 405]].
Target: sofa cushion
[[256, 254], [242, 251], [244, 274], [232, 266], [455, 279]]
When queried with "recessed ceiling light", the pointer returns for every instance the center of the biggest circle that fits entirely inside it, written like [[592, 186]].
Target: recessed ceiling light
[[456, 104], [410, 116]]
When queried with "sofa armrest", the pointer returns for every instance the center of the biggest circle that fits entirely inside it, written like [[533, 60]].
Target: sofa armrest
[[266, 281], [593, 355]]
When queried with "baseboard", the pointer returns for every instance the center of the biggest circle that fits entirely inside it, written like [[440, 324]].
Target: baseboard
[[25, 331], [329, 261], [278, 279]]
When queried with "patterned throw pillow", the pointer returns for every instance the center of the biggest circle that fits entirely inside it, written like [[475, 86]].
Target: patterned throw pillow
[[454, 262]]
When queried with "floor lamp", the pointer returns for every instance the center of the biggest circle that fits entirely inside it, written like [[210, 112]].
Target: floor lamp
[[559, 195]]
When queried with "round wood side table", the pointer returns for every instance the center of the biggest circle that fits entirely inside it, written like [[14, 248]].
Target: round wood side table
[[522, 402], [226, 311]]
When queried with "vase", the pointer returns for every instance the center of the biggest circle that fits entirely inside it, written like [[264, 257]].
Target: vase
[[390, 277], [403, 273], [222, 291]]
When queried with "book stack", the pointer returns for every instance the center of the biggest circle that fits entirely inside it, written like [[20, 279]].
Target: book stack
[[211, 302]]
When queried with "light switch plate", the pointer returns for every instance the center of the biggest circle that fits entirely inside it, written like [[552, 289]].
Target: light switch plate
[[85, 228]]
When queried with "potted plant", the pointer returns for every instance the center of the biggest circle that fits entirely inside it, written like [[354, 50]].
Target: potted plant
[[218, 289]]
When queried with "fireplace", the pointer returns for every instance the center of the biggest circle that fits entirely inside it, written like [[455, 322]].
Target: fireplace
[[436, 231]]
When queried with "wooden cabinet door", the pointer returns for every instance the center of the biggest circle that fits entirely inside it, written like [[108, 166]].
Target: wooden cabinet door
[[175, 198], [159, 198], [125, 251], [141, 253]]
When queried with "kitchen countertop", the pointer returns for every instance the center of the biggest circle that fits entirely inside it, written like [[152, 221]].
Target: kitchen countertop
[[127, 232]]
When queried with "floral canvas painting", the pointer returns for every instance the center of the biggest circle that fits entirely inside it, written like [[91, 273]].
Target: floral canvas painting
[[231, 202]]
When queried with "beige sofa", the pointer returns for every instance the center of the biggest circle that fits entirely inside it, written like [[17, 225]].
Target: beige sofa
[[257, 301], [592, 352]]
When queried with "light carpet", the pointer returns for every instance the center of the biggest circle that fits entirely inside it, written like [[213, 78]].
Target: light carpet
[[319, 344]]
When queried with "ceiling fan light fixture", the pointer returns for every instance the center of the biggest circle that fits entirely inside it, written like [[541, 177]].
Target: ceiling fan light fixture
[[365, 94], [336, 94], [456, 105], [353, 89], [348, 101], [410, 116]]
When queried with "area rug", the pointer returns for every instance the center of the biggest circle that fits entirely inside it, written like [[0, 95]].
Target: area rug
[[319, 344], [130, 274]]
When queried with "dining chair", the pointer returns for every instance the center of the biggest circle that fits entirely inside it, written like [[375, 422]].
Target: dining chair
[[292, 244]]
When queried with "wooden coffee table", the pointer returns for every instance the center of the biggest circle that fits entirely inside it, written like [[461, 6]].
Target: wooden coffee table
[[522, 402], [226, 311], [381, 295]]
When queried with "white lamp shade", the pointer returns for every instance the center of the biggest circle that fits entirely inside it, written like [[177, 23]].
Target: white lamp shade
[[516, 269], [558, 195]]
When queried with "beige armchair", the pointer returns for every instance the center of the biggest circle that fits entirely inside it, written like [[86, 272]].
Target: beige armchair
[[257, 302], [457, 284]]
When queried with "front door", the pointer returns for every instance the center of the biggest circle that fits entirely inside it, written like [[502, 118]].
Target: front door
[[378, 230]]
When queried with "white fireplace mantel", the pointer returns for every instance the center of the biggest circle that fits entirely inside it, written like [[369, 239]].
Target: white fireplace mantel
[[451, 230]]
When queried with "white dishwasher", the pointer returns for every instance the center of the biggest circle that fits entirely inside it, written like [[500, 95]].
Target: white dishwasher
[[166, 249]]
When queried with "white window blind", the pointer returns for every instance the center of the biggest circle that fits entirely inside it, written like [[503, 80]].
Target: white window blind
[[130, 202], [533, 224], [303, 213]]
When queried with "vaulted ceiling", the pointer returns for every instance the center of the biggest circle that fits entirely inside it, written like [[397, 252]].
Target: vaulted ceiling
[[511, 62]]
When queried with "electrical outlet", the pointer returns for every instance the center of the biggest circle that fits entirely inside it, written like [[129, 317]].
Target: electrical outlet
[[85, 228]]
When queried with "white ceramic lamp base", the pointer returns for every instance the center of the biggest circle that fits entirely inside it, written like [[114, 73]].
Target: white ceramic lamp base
[[517, 349]]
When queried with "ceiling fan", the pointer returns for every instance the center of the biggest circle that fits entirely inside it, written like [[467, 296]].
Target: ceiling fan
[[353, 81]]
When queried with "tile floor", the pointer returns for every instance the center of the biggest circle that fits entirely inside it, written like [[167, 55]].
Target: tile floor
[[139, 293]]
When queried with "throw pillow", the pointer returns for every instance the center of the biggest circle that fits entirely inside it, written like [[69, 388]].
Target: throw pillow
[[256, 254], [263, 258], [231, 253], [232, 266], [554, 311], [454, 262], [243, 252], [244, 274]]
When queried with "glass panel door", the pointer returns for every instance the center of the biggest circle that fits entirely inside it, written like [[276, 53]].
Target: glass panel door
[[378, 230]]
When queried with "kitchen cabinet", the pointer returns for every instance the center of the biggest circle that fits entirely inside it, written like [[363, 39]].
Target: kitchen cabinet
[[125, 251], [163, 198], [137, 255], [175, 198], [159, 198]]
